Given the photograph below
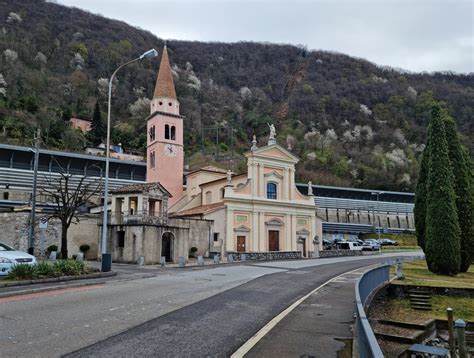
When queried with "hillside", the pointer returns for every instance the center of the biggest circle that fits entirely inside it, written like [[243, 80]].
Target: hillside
[[352, 122]]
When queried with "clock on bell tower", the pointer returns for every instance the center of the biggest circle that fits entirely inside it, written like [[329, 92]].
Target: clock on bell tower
[[165, 154]]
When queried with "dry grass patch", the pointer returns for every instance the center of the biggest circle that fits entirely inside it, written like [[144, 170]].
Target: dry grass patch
[[417, 273], [399, 309]]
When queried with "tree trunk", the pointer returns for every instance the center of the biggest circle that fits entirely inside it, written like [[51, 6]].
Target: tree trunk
[[64, 241]]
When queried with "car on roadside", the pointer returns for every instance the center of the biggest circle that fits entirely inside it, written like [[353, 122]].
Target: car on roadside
[[371, 245], [359, 241], [349, 245], [388, 242], [10, 257]]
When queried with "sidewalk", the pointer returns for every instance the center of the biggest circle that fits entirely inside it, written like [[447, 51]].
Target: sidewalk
[[321, 326]]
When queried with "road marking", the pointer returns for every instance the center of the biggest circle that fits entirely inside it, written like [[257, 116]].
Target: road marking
[[30, 296], [247, 346]]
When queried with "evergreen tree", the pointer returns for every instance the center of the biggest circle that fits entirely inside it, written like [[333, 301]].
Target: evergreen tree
[[461, 166], [419, 210], [98, 131], [442, 244]]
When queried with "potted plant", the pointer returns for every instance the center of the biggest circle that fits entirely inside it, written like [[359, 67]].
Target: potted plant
[[192, 251], [84, 248]]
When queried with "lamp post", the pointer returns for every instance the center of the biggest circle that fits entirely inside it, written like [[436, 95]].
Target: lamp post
[[378, 210], [107, 258]]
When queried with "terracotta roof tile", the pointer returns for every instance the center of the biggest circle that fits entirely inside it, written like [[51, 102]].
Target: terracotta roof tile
[[140, 188], [164, 83], [200, 210]]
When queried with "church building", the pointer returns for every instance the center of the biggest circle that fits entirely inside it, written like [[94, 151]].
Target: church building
[[259, 213]]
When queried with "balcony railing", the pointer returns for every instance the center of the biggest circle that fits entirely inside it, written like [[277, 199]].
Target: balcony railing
[[138, 218]]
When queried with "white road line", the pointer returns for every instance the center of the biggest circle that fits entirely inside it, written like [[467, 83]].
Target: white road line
[[247, 346]]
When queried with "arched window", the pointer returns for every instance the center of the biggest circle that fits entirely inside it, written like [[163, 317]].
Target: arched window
[[208, 197], [173, 133], [271, 191], [167, 131]]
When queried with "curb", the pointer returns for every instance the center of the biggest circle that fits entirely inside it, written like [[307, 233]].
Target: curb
[[46, 289], [58, 279]]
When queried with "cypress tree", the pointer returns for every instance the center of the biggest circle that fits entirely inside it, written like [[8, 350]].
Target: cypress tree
[[442, 244], [97, 126], [419, 210], [461, 167]]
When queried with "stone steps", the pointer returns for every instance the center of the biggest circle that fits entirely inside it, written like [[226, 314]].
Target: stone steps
[[420, 299]]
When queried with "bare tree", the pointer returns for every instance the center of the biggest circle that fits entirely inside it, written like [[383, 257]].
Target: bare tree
[[69, 193]]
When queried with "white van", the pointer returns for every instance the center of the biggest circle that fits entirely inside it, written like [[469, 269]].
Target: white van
[[348, 245]]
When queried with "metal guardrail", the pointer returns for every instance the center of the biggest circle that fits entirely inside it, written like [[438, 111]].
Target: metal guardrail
[[367, 283]]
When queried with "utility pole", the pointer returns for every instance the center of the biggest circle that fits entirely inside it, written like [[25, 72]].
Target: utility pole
[[31, 236]]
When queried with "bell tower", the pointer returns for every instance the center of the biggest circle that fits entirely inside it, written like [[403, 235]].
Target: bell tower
[[165, 154]]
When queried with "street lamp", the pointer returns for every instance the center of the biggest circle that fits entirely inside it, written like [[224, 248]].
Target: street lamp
[[107, 258], [378, 210]]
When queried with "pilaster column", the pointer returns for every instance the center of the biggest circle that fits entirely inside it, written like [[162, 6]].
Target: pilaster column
[[255, 235], [229, 232], [286, 185]]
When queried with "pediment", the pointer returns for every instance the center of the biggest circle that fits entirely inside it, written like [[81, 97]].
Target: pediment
[[242, 228], [275, 151], [303, 232], [274, 222]]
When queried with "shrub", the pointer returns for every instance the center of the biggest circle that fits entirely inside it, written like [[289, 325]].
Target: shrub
[[70, 267], [84, 248], [52, 248], [23, 272], [45, 269]]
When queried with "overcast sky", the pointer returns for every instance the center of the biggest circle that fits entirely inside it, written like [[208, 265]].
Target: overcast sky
[[416, 35]]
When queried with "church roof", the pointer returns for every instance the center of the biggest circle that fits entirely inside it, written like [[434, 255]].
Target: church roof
[[164, 82], [140, 188], [200, 210], [209, 168]]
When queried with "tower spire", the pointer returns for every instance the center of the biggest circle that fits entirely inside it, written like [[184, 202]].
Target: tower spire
[[164, 82]]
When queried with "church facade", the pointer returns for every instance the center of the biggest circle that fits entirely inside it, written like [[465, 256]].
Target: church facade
[[258, 211]]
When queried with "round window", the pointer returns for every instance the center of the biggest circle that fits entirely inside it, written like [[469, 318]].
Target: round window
[[170, 104], [161, 103]]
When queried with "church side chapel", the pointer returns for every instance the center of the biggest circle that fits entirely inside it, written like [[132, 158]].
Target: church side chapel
[[260, 213]]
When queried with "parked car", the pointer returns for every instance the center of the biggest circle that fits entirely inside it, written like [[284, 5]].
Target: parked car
[[10, 257], [371, 245], [388, 242], [349, 245], [359, 241]]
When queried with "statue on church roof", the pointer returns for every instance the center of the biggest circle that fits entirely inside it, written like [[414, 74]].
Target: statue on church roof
[[271, 138], [272, 131], [254, 143]]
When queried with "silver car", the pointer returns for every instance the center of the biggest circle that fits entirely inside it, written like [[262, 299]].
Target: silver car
[[10, 257]]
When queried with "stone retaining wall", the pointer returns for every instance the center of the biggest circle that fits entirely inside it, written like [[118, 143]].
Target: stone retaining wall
[[337, 253], [266, 256]]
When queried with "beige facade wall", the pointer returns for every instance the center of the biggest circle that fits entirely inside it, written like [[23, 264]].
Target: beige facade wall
[[213, 192]]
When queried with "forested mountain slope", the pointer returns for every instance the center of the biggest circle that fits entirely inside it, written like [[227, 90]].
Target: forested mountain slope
[[352, 122]]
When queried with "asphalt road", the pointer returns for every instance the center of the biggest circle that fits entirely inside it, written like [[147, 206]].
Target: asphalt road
[[219, 325], [208, 312]]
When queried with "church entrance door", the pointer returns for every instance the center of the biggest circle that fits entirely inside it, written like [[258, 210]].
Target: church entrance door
[[273, 240], [167, 246], [240, 243]]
